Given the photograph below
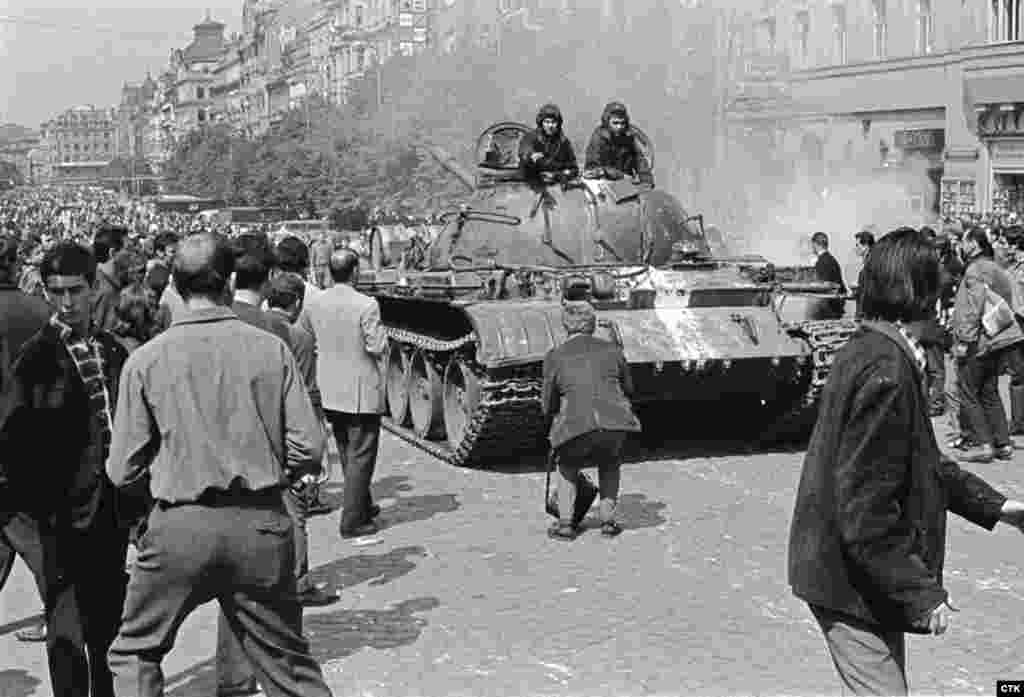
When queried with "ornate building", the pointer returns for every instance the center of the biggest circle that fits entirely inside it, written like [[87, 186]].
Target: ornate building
[[79, 144]]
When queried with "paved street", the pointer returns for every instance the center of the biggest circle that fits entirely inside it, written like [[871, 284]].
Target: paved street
[[463, 594]]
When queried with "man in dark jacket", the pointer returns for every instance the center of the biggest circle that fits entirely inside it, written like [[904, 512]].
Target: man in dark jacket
[[868, 534], [547, 150], [615, 150], [21, 316], [586, 391], [827, 270], [57, 410]]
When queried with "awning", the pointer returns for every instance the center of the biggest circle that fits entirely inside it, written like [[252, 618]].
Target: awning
[[1002, 89]]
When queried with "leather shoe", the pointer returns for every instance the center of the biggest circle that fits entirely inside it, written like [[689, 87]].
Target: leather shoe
[[562, 532], [319, 507], [359, 531], [32, 634], [316, 596], [248, 688]]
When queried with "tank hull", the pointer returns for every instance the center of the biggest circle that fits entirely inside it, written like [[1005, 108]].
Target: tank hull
[[737, 360]]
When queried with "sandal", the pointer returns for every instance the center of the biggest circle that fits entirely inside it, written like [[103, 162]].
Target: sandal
[[611, 529], [565, 533]]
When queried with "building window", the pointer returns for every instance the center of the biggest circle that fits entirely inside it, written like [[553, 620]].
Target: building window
[[200, 93], [359, 15], [801, 38], [924, 26], [879, 29], [839, 34], [1005, 20], [201, 115]]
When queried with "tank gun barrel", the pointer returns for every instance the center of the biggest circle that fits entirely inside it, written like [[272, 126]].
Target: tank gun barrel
[[450, 163]]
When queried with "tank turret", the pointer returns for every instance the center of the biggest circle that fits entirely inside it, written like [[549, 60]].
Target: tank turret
[[470, 325]]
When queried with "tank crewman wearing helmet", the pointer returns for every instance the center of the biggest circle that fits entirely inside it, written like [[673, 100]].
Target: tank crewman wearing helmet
[[614, 150], [547, 149]]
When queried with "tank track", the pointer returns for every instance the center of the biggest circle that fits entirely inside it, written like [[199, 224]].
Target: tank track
[[824, 338], [507, 406]]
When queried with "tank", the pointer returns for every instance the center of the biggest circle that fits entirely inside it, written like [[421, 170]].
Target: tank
[[471, 319]]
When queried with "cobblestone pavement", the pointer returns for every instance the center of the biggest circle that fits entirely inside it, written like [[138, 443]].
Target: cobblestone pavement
[[462, 593]]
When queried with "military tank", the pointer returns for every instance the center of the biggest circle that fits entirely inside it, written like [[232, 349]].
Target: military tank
[[470, 323]]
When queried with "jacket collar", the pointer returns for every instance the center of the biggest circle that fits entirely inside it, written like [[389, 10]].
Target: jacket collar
[[889, 330], [210, 314]]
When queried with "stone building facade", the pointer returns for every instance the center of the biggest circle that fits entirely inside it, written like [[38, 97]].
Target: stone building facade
[[929, 85], [80, 143]]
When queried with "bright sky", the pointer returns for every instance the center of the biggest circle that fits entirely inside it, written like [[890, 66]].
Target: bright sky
[[55, 54]]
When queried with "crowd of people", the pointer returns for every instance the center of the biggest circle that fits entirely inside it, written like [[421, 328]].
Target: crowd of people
[[181, 365]]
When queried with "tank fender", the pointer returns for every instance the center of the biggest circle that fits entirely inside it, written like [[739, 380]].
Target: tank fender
[[512, 333]]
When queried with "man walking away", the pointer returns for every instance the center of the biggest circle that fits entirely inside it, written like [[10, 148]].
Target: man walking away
[[350, 342], [240, 429]]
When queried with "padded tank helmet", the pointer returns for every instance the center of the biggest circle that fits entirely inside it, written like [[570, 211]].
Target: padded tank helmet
[[549, 111]]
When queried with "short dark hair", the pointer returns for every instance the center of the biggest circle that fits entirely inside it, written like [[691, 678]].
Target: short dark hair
[[203, 266], [344, 263], [820, 239], [108, 240], [252, 271], [901, 277], [865, 237], [292, 255], [68, 259], [977, 234], [285, 290], [165, 240]]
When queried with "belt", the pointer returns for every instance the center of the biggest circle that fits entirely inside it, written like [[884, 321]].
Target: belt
[[213, 498]]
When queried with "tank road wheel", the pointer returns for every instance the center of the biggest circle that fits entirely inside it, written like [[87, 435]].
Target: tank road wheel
[[461, 397], [397, 384], [425, 398]]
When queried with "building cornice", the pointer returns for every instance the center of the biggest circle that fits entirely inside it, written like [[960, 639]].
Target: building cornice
[[888, 65]]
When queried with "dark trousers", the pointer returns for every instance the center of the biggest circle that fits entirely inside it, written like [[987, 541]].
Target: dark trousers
[[20, 538], [979, 391], [85, 583], [870, 660], [358, 436], [234, 670], [239, 552], [601, 449], [1013, 363]]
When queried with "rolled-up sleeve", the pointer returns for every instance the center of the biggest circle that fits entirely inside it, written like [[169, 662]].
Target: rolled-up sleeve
[[375, 339], [304, 436], [134, 441]]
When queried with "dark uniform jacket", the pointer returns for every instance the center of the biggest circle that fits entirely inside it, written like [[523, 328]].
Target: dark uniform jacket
[[557, 151], [53, 462], [253, 315], [617, 154], [868, 535], [586, 388]]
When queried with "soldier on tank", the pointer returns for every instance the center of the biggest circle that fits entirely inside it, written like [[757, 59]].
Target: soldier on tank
[[546, 151], [615, 150]]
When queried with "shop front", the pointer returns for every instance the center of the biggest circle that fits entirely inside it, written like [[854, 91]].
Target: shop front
[[920, 151], [1007, 182]]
